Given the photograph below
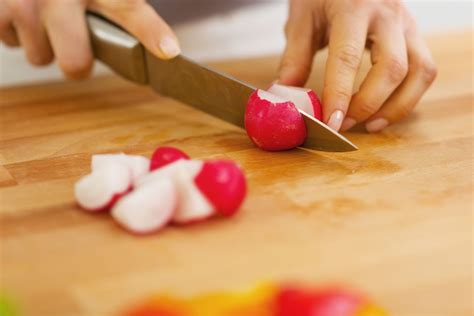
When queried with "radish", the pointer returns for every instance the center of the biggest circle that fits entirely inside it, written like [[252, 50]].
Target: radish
[[148, 208], [223, 183], [218, 187], [204, 188], [138, 165], [273, 123], [304, 99], [99, 190], [166, 155]]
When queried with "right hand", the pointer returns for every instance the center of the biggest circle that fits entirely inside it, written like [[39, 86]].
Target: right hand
[[49, 29]]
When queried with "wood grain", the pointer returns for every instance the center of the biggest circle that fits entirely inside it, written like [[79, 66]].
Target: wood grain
[[393, 219]]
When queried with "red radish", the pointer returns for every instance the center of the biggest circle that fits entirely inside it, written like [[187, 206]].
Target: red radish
[[304, 99], [273, 123], [219, 186], [99, 190], [223, 183], [166, 155], [147, 208], [138, 164]]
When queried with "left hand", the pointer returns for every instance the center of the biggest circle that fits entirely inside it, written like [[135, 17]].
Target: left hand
[[402, 70]]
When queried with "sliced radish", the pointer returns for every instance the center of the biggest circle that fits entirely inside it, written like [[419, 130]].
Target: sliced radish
[[170, 170], [166, 155], [148, 208], [138, 165], [193, 206], [223, 183], [273, 123], [304, 99], [204, 188], [100, 190]]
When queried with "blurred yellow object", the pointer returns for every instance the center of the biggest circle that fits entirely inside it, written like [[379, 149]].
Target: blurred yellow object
[[371, 310], [256, 301]]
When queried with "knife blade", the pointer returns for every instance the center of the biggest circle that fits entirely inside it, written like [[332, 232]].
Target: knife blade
[[181, 78], [225, 97]]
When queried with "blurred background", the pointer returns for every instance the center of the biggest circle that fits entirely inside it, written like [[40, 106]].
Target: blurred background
[[229, 29]]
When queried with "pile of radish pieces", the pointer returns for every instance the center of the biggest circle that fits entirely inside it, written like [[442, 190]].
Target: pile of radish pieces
[[145, 195]]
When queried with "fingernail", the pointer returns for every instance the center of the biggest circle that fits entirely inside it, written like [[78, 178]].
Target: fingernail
[[169, 47], [376, 125], [348, 123], [335, 120]]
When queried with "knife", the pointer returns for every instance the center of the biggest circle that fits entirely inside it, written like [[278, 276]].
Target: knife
[[181, 78]]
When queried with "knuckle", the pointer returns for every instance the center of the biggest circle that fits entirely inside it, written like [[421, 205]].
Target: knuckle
[[429, 71], [366, 109], [403, 112], [339, 93], [349, 56], [397, 68]]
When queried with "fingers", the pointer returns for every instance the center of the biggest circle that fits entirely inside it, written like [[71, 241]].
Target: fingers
[[31, 34], [301, 41], [141, 20], [421, 74], [8, 36], [7, 32], [67, 31], [390, 66], [346, 45]]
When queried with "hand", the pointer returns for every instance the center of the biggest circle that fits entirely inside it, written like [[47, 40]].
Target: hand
[[402, 70], [57, 28]]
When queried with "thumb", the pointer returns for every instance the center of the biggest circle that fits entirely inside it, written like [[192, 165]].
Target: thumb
[[297, 59], [142, 21]]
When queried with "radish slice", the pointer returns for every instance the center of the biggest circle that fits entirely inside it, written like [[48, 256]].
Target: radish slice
[[304, 99], [138, 164], [223, 183], [100, 190], [273, 123], [193, 206], [170, 170], [148, 208], [166, 155]]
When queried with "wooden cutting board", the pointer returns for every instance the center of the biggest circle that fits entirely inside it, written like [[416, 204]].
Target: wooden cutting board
[[393, 219]]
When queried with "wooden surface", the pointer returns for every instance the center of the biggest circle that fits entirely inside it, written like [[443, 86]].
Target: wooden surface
[[393, 219]]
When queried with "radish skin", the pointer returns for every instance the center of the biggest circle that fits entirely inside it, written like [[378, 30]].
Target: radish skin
[[166, 155], [223, 183]]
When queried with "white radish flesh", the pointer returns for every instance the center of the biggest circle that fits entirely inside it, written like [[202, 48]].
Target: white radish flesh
[[193, 206], [303, 98], [99, 190], [138, 165], [148, 208]]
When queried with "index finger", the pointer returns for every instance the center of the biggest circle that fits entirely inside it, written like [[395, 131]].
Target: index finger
[[347, 40]]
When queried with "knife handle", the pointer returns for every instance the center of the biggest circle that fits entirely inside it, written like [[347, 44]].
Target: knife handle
[[116, 48]]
